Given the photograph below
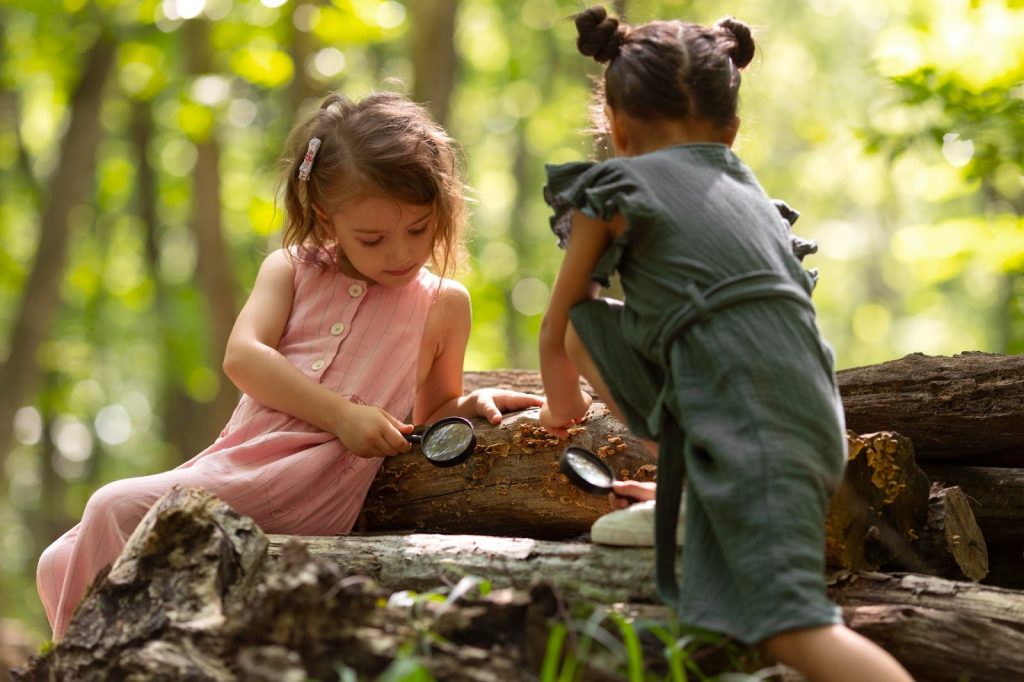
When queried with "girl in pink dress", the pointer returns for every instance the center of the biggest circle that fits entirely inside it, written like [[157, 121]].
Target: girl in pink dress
[[345, 333]]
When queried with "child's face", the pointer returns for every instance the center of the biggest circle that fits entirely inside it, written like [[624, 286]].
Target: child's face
[[383, 240]]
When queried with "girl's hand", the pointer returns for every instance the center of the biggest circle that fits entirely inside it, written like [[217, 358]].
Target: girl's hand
[[368, 431], [558, 425], [625, 493], [492, 402]]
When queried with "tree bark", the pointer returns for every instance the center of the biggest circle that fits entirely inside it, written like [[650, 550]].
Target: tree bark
[[525, 380], [967, 406], [193, 596], [302, 45], [41, 293], [511, 486]]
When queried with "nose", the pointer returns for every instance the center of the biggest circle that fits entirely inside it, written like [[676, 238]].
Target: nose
[[402, 253]]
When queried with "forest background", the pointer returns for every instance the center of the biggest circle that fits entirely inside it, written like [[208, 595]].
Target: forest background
[[138, 142]]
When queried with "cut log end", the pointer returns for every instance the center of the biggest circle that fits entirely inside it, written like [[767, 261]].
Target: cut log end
[[880, 508], [949, 509]]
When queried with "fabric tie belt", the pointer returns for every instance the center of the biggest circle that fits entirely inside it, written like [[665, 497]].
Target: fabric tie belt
[[701, 306]]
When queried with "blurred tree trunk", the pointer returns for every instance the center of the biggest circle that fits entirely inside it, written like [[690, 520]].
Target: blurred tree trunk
[[432, 51], [52, 520], [213, 265], [41, 293], [517, 231], [10, 115], [301, 47], [177, 407], [1008, 314]]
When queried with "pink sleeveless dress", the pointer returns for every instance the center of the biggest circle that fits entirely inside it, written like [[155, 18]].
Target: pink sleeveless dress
[[287, 475]]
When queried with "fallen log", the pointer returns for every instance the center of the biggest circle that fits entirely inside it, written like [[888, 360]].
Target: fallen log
[[420, 561], [996, 496], [968, 407], [934, 626], [511, 485], [897, 611], [525, 380]]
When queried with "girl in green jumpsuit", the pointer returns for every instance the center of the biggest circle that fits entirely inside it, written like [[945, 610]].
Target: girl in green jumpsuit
[[714, 355]]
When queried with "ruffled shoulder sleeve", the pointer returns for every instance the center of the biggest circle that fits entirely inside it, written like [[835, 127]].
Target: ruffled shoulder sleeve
[[598, 190], [801, 247]]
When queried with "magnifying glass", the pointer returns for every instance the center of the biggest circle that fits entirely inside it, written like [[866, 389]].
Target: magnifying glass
[[447, 441], [587, 470]]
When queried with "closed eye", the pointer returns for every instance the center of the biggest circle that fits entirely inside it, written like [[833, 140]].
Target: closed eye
[[372, 242]]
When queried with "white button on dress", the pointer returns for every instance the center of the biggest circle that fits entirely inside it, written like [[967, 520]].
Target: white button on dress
[[337, 328], [317, 365], [355, 290]]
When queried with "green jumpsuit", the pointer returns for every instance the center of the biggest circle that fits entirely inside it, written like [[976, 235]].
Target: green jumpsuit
[[715, 354]]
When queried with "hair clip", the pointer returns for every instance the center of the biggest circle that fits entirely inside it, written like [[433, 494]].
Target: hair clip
[[307, 163]]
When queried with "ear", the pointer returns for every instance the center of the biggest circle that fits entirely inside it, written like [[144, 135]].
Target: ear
[[619, 131], [730, 131]]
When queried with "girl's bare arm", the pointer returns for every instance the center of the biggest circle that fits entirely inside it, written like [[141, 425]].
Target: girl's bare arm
[[439, 380], [590, 237], [256, 367], [439, 392]]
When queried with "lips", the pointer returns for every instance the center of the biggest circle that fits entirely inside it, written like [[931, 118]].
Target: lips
[[399, 273]]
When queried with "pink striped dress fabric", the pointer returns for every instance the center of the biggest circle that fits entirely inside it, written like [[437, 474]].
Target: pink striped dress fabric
[[287, 475]]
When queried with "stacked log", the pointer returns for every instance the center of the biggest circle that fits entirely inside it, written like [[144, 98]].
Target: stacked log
[[195, 595], [965, 416], [512, 486]]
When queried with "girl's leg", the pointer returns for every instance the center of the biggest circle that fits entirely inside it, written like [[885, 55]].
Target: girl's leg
[[835, 653], [51, 570], [70, 564], [580, 356]]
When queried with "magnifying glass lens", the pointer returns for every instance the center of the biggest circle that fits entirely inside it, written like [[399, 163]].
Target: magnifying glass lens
[[447, 441], [589, 470], [586, 470]]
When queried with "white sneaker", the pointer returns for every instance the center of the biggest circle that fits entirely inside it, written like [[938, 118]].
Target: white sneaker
[[631, 527]]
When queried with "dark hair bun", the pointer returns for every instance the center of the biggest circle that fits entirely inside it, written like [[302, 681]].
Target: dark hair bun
[[743, 43], [600, 36]]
